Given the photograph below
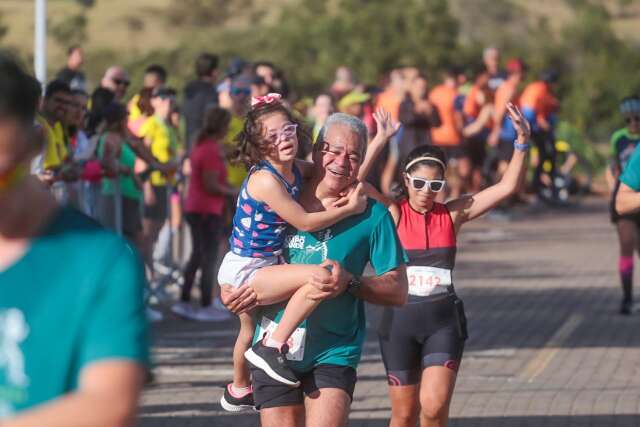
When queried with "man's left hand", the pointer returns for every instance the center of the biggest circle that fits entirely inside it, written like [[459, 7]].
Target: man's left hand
[[331, 287]]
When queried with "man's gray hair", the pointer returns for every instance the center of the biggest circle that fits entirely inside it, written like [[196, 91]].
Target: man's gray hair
[[354, 124]]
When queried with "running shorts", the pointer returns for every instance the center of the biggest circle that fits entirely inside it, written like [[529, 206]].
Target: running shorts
[[268, 393], [615, 216], [425, 332]]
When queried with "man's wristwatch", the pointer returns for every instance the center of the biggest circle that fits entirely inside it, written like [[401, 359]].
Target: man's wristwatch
[[354, 285]]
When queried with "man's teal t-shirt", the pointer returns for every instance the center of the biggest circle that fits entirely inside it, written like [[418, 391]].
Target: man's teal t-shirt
[[631, 174], [335, 331], [74, 298]]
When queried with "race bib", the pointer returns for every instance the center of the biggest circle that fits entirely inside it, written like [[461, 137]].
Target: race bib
[[425, 281], [296, 341]]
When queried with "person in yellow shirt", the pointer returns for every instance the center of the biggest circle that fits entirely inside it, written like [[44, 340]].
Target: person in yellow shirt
[[56, 99], [162, 140], [240, 93], [57, 164], [155, 76]]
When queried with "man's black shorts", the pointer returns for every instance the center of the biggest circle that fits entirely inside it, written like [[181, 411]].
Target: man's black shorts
[[268, 393]]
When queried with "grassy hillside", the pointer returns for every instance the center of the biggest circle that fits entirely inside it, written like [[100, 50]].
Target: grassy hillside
[[132, 28]]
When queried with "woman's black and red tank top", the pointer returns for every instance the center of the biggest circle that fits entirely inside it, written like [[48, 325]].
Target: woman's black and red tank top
[[430, 242]]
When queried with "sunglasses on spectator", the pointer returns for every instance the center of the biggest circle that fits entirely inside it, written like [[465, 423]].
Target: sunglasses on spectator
[[122, 82], [630, 119], [240, 91], [287, 131], [435, 185]]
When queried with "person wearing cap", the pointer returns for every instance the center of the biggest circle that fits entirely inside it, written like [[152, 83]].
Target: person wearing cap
[[353, 103], [162, 140], [624, 183], [503, 133], [116, 79], [539, 106], [73, 335], [240, 92]]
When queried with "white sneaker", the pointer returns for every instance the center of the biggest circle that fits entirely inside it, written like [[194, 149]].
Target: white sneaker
[[211, 314], [184, 309], [154, 315]]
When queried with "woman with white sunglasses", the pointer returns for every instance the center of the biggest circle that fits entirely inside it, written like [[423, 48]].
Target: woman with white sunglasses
[[422, 342]]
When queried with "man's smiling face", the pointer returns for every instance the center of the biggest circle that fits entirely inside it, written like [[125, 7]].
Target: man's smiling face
[[341, 156]]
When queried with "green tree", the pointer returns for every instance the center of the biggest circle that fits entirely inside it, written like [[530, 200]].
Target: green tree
[[3, 27], [599, 70], [72, 29]]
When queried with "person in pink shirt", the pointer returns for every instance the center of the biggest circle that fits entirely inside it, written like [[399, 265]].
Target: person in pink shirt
[[204, 207]]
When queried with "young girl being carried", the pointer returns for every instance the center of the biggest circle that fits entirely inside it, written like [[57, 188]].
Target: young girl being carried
[[266, 205]]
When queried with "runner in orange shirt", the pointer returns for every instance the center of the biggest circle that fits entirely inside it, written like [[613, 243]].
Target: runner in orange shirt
[[538, 106], [391, 98], [503, 133], [477, 112], [448, 135]]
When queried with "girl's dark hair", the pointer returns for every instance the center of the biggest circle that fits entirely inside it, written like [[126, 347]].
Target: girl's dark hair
[[100, 98], [425, 151], [144, 101], [215, 120], [251, 147], [420, 151]]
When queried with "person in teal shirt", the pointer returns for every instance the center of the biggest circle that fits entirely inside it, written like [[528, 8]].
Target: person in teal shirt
[[119, 161], [73, 333], [325, 350], [623, 144]]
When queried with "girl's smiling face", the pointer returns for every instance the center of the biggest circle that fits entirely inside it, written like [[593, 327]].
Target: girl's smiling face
[[280, 137]]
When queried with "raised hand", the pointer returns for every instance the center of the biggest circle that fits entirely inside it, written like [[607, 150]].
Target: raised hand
[[523, 128], [386, 127]]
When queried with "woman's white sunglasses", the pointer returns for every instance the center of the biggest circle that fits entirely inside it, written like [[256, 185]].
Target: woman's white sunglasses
[[435, 185]]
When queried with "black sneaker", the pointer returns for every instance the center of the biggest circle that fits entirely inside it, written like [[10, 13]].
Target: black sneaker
[[272, 362], [236, 404], [626, 307]]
